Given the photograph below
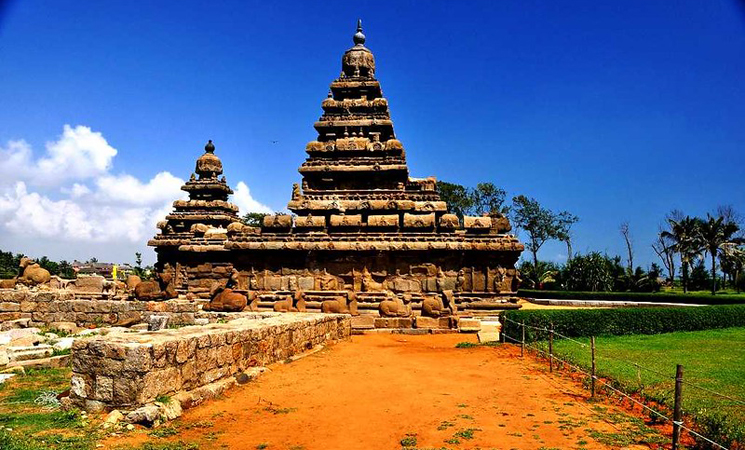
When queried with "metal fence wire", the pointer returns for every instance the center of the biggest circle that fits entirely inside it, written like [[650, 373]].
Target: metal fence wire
[[665, 384]]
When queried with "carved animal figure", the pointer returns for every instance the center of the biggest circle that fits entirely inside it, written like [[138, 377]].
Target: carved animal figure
[[199, 228], [291, 304], [148, 290], [341, 305], [227, 300], [368, 283], [394, 306], [433, 307], [33, 273], [253, 301], [132, 282], [8, 284], [109, 286]]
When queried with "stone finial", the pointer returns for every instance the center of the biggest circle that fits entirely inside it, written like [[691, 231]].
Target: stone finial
[[359, 37], [210, 147]]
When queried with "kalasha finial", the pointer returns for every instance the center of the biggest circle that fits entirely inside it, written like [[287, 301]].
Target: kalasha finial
[[359, 38], [210, 147]]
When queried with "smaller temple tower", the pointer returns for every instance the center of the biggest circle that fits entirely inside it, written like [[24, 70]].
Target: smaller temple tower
[[195, 232]]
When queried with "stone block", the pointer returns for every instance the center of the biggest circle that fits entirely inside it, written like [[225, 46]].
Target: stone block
[[93, 283], [393, 322], [426, 322], [469, 325], [363, 322]]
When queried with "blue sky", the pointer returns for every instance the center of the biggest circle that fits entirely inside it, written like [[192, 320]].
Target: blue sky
[[615, 111]]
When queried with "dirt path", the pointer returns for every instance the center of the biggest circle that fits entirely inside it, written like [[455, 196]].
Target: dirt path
[[376, 390]]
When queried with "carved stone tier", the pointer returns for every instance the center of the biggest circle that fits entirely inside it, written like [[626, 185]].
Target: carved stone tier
[[364, 235]]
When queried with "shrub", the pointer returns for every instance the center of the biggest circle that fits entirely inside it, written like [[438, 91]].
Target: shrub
[[620, 321], [703, 299]]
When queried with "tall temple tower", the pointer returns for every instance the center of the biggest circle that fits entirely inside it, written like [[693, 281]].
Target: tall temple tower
[[362, 228]]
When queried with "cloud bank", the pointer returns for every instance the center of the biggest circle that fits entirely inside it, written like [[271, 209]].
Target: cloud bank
[[67, 203]]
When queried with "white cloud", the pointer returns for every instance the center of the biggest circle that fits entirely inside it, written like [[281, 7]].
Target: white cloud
[[242, 197], [67, 204]]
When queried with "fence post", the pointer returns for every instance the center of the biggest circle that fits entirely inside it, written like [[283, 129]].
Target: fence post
[[592, 374], [677, 413], [522, 342], [551, 349]]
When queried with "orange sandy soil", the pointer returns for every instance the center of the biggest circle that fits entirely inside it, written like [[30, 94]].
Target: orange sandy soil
[[372, 392]]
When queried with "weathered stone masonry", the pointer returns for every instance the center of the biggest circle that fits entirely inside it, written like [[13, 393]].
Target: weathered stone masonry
[[45, 308], [127, 370]]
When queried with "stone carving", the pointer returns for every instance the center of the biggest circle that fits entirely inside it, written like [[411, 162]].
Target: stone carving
[[32, 273], [394, 306], [160, 288], [360, 219], [449, 221], [439, 306], [338, 220], [369, 284], [419, 220], [341, 305], [132, 282], [278, 221], [291, 303], [8, 284], [476, 223], [227, 300], [383, 221]]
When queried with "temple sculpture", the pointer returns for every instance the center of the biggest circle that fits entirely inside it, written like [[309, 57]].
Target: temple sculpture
[[363, 237]]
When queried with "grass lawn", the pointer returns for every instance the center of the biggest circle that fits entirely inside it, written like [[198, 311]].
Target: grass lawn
[[26, 424], [712, 359]]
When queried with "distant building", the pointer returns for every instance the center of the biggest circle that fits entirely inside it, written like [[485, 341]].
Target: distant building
[[103, 269]]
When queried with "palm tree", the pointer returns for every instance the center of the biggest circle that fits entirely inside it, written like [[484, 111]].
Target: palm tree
[[714, 234], [732, 261], [686, 241]]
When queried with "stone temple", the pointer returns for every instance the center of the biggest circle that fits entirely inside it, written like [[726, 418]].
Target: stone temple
[[363, 237]]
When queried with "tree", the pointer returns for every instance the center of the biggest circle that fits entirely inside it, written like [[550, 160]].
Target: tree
[[732, 260], [541, 224], [457, 197], [626, 233], [254, 219], [664, 248], [686, 241], [564, 233], [713, 234], [488, 199]]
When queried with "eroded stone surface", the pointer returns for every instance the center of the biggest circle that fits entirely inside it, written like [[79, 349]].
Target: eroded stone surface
[[128, 370]]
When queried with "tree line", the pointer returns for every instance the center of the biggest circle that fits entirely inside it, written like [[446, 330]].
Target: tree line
[[683, 239], [9, 265]]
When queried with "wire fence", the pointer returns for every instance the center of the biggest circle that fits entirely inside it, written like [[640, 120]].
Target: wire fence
[[654, 398]]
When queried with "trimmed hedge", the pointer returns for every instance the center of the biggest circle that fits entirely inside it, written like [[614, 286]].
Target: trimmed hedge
[[620, 321], [702, 299]]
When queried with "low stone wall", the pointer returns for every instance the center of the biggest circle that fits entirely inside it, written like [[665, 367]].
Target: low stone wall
[[127, 370], [45, 308]]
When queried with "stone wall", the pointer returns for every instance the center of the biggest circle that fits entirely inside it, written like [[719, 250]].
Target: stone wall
[[127, 370], [44, 308]]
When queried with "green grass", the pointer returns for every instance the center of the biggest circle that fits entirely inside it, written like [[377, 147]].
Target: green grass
[[25, 425], [712, 359]]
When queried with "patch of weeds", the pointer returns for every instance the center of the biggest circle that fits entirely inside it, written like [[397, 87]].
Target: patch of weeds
[[466, 434], [548, 422], [180, 445], [275, 410], [163, 432], [444, 425], [200, 424], [462, 405], [529, 415], [454, 441], [33, 422], [213, 435], [57, 352], [582, 442], [466, 416], [24, 441], [165, 399], [262, 446], [466, 345], [515, 433], [409, 440]]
